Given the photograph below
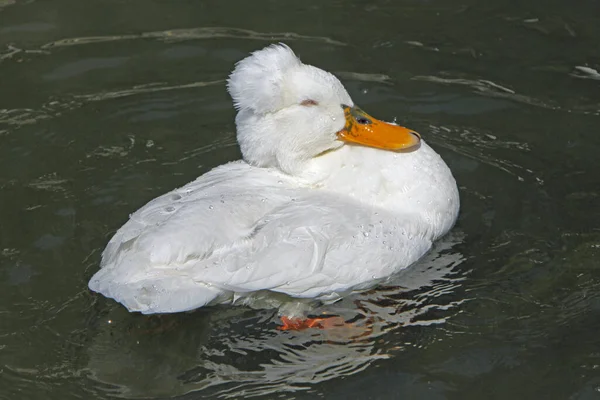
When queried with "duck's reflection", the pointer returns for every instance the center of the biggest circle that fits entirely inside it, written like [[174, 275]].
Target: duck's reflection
[[231, 352]]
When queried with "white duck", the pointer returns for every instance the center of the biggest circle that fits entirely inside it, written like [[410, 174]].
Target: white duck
[[326, 201]]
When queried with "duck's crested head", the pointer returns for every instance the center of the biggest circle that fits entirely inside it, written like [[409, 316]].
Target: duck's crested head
[[274, 78], [290, 112]]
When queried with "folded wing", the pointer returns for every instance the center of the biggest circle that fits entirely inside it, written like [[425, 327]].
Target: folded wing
[[218, 237]]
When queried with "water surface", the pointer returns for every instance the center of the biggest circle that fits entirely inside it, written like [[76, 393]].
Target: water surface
[[107, 104]]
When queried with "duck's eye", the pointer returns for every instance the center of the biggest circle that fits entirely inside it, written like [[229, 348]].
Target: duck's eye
[[309, 103], [363, 120]]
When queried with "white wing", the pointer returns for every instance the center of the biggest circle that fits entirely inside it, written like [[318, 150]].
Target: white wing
[[318, 244], [219, 235]]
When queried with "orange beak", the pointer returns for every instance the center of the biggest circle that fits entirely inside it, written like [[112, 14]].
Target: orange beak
[[363, 129]]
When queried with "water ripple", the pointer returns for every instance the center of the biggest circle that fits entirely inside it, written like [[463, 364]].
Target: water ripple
[[176, 35], [142, 89], [54, 107], [585, 73], [476, 145], [488, 88]]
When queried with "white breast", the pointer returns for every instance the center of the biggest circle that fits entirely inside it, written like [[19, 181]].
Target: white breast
[[416, 183]]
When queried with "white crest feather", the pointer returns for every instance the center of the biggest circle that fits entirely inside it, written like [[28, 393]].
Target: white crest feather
[[257, 81]]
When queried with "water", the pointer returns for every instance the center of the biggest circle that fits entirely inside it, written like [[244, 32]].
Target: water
[[107, 104]]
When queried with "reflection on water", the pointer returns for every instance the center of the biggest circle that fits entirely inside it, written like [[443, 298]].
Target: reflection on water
[[232, 352]]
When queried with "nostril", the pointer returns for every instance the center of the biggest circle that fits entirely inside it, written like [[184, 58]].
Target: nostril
[[363, 121]]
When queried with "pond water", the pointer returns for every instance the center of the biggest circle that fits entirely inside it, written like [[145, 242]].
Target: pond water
[[106, 104]]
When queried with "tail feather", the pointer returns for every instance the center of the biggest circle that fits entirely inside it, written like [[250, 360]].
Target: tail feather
[[155, 295]]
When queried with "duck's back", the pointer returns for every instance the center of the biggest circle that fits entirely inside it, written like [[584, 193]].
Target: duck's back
[[240, 229]]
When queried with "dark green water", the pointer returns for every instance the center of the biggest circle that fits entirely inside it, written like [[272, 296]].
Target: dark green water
[[107, 104]]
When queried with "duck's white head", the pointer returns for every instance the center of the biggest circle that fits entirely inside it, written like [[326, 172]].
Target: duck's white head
[[290, 112]]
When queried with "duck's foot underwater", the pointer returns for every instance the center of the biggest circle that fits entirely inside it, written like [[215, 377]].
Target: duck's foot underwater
[[324, 322]]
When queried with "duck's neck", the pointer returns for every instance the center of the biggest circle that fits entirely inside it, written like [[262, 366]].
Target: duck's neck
[[418, 183]]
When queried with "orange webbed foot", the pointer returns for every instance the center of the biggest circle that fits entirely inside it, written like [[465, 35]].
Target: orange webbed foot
[[299, 324]]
